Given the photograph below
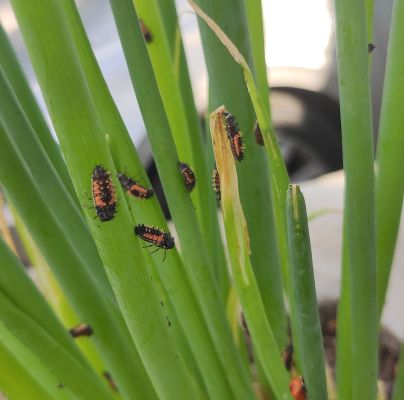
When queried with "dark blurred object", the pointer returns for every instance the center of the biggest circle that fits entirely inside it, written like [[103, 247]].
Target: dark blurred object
[[148, 37], [81, 330], [371, 47], [309, 133]]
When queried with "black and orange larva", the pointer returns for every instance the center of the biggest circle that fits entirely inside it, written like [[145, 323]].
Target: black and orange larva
[[258, 135], [216, 185], [235, 137], [188, 175], [81, 330], [156, 236], [104, 196], [148, 37], [134, 188], [298, 388]]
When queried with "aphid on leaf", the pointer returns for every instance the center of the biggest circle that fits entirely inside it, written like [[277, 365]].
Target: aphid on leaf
[[81, 330], [244, 325], [111, 382], [188, 175], [134, 188], [216, 185], [371, 47], [148, 37], [258, 135], [298, 388], [156, 236], [234, 136], [103, 193]]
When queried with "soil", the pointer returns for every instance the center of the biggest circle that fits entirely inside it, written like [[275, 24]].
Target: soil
[[388, 350]]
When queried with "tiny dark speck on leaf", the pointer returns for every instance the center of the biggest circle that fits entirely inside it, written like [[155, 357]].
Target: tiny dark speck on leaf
[[107, 375]]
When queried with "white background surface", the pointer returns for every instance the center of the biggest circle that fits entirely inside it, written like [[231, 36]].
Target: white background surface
[[326, 192]]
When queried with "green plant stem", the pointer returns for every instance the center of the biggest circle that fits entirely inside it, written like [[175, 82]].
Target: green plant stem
[[370, 8], [207, 216], [256, 30], [126, 159], [108, 114], [19, 382], [192, 246], [82, 381], [53, 293], [389, 180], [306, 330], [344, 344], [27, 145], [84, 145], [237, 238], [267, 229], [60, 238], [118, 136], [184, 124], [355, 108], [257, 43], [91, 304], [22, 91], [19, 288]]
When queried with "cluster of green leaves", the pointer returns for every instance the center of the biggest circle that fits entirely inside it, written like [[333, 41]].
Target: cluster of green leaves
[[171, 330]]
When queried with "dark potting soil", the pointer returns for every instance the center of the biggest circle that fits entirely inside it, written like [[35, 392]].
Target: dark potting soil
[[389, 347]]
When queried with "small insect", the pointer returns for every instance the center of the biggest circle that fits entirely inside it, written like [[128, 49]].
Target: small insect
[[244, 325], [298, 388], [81, 330], [287, 357], [104, 196], [156, 236], [235, 137], [148, 37], [216, 185], [134, 188], [371, 47], [111, 382], [188, 175], [258, 135]]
